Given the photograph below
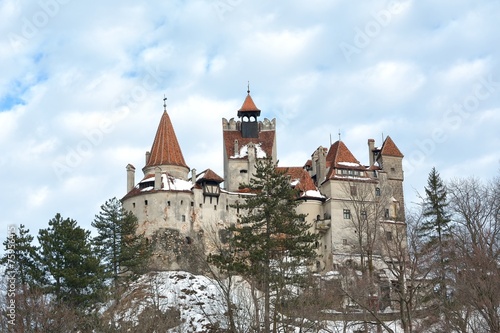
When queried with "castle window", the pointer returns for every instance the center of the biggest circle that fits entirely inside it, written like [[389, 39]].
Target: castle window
[[227, 207], [215, 207], [192, 204], [354, 190], [393, 170], [364, 216], [145, 202], [344, 241], [243, 171], [347, 213], [316, 244], [386, 213], [183, 218], [133, 204], [182, 201], [201, 205], [377, 191], [168, 203], [388, 236]]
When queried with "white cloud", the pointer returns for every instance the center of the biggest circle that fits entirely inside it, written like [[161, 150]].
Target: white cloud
[[113, 61]]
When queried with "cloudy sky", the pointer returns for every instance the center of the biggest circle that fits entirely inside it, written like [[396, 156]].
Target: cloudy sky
[[81, 88]]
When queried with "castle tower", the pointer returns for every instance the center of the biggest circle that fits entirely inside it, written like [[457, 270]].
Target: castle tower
[[245, 141], [165, 152], [390, 160]]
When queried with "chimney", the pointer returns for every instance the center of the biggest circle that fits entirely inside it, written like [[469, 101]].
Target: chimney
[[148, 154], [193, 176], [371, 147], [321, 166], [130, 177], [236, 148], [157, 178]]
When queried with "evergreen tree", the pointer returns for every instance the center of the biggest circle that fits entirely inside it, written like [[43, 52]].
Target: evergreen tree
[[436, 232], [272, 244], [437, 218], [123, 251], [74, 273], [24, 261]]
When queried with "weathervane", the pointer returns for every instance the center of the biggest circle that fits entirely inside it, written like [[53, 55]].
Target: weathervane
[[164, 103], [248, 88], [339, 134]]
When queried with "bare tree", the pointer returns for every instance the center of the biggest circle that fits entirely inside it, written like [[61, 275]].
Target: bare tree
[[476, 258]]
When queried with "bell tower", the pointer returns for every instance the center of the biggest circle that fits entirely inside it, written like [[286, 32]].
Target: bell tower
[[248, 114], [246, 140]]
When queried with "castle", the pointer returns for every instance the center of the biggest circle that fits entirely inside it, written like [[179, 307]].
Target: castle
[[357, 210]]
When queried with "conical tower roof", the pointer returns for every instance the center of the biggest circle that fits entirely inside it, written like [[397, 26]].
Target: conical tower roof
[[248, 107], [389, 148], [165, 149]]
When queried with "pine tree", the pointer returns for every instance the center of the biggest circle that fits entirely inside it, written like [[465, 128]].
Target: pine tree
[[74, 273], [436, 231], [24, 261], [123, 251], [272, 244], [436, 225]]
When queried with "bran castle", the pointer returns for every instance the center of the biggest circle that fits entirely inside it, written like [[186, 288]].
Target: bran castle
[[357, 209]]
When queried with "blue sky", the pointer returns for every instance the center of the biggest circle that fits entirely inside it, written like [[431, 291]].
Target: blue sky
[[82, 84]]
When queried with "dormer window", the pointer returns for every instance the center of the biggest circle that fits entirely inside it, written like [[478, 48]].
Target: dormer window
[[211, 189]]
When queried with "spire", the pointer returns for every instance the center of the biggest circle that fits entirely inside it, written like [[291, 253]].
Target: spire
[[165, 149], [389, 148], [248, 108]]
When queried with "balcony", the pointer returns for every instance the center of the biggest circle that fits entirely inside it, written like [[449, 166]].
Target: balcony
[[323, 225]]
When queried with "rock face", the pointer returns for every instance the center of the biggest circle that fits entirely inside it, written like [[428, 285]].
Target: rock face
[[173, 250]]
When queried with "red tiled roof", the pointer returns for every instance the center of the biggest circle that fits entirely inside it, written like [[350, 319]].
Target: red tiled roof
[[210, 175], [298, 173], [248, 105], [340, 153], [266, 138], [166, 149], [389, 148]]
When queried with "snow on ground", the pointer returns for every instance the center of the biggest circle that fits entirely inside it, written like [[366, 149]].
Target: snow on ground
[[200, 302]]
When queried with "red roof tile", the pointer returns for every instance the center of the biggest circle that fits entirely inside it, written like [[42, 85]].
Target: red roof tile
[[339, 153], [209, 175], [248, 105], [166, 149], [305, 182], [266, 138], [389, 148]]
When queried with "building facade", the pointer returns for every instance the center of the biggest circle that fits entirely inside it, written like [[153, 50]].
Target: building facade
[[358, 210]]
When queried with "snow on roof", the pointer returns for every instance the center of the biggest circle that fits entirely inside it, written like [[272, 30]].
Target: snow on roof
[[313, 194], [173, 184], [259, 152], [169, 183], [348, 164]]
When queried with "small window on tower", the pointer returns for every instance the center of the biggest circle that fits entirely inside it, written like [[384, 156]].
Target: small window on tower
[[243, 171], [386, 213], [377, 191], [145, 202], [347, 213], [133, 204], [183, 218]]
